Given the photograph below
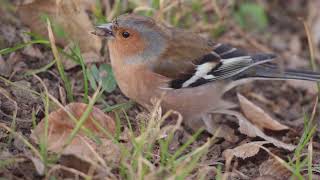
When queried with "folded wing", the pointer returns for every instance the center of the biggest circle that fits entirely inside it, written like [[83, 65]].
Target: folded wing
[[231, 62]]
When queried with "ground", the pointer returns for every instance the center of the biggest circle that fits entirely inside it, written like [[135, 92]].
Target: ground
[[241, 24]]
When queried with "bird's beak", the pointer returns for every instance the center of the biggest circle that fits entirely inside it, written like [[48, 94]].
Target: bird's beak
[[104, 30]]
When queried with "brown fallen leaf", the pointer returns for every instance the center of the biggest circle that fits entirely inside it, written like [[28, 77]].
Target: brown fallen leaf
[[69, 15], [245, 150], [258, 116], [245, 127], [274, 168], [249, 129], [61, 125], [5, 68], [219, 129]]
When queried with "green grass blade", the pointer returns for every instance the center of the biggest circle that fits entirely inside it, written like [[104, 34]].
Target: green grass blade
[[185, 145], [77, 52], [20, 46], [59, 64], [40, 70], [82, 119]]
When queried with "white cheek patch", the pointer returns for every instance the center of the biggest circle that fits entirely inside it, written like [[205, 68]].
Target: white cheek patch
[[201, 72]]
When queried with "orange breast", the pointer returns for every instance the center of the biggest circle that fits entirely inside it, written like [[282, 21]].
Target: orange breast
[[136, 81]]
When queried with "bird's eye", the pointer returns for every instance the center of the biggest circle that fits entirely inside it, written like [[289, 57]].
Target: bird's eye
[[125, 34]]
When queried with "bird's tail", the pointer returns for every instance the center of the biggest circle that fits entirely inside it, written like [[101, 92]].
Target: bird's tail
[[267, 71]]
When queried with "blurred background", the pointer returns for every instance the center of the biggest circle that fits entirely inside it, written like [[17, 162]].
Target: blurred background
[[262, 25]]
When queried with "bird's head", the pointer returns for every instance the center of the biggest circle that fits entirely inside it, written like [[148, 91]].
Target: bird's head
[[134, 37]]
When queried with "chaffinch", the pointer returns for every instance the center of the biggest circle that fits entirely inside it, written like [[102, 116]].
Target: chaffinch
[[189, 72]]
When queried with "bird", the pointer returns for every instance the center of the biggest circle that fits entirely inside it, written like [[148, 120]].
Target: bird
[[188, 72]]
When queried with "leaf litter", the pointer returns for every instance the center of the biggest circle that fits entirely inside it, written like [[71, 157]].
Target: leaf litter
[[70, 21], [61, 125], [258, 116], [245, 150]]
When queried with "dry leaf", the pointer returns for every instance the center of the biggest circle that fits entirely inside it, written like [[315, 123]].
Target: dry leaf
[[61, 125], [227, 133], [222, 131], [5, 68], [258, 116], [247, 128], [272, 167], [69, 16], [245, 150]]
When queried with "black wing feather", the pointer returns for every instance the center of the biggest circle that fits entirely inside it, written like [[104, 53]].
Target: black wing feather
[[231, 62], [226, 51]]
